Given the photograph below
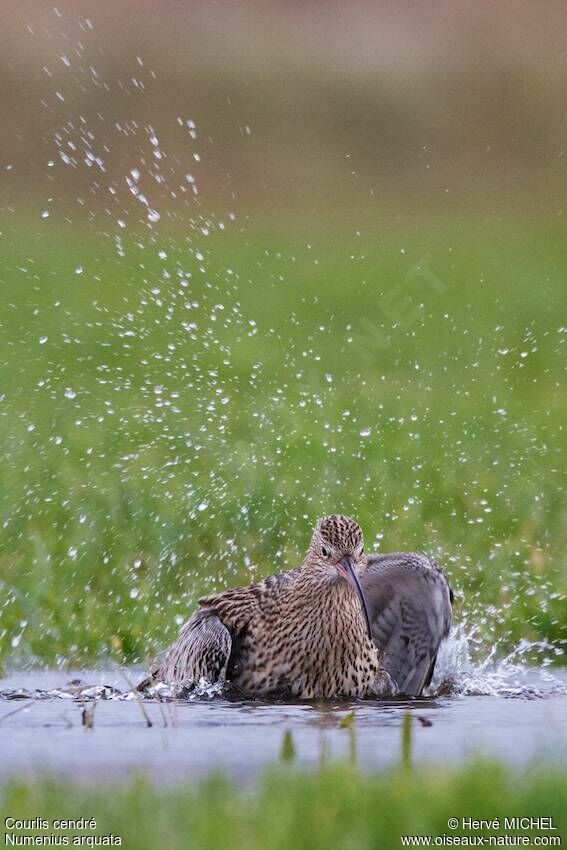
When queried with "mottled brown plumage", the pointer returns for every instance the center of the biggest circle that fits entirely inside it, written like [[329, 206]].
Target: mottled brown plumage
[[303, 632]]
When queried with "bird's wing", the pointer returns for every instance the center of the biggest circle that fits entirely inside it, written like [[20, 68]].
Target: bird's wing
[[237, 606], [409, 606], [208, 643], [202, 649]]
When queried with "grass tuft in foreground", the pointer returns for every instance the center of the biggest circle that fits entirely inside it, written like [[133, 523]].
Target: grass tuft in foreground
[[335, 808]]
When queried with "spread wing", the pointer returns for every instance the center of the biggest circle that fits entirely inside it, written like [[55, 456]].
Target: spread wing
[[237, 606], [409, 606], [208, 644], [202, 649]]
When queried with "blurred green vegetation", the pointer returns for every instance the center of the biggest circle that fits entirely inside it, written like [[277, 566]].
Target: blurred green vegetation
[[336, 807], [176, 410]]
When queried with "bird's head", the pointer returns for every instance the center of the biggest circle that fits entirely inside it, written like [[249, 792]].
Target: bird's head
[[336, 551]]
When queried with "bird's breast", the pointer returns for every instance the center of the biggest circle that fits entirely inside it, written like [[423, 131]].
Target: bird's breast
[[313, 647]]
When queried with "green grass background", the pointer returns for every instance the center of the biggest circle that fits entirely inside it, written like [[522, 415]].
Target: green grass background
[[157, 445]]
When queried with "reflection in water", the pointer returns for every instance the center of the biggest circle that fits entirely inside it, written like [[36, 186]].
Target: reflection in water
[[41, 727]]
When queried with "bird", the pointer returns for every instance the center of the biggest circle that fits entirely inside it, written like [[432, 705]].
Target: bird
[[338, 626]]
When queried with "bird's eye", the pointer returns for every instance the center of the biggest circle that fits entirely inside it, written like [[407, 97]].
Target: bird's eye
[[325, 552]]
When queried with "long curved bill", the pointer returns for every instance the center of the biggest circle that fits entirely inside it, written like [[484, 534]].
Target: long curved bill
[[346, 568]]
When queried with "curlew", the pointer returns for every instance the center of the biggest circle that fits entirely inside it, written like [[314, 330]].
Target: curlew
[[329, 628]]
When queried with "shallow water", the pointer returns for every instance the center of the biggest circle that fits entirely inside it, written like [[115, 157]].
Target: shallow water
[[513, 714]]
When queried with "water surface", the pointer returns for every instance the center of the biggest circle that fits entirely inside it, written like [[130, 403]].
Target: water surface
[[41, 727]]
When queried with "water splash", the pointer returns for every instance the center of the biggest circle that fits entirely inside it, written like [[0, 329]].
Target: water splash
[[465, 668], [204, 689]]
